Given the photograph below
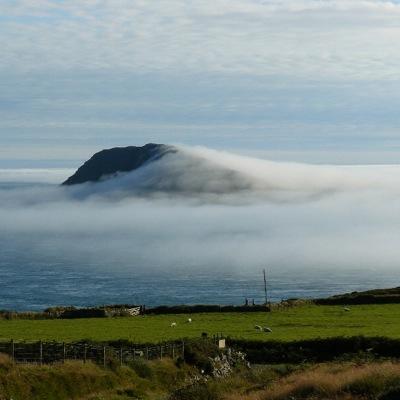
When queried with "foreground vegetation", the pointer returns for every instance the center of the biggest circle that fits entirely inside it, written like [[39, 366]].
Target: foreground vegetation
[[333, 381], [293, 323], [168, 380], [313, 352], [207, 373], [76, 380]]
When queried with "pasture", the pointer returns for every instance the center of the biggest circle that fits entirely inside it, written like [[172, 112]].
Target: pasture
[[302, 322]]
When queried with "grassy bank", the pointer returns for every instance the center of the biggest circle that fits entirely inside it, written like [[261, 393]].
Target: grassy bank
[[168, 380], [75, 380], [295, 323], [375, 296], [163, 380], [333, 381]]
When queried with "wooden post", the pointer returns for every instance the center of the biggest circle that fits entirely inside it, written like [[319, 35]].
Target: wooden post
[[265, 288], [121, 354], [84, 353], [133, 356], [41, 352], [64, 352], [12, 350], [104, 356], [183, 349], [161, 352], [173, 350], [147, 353]]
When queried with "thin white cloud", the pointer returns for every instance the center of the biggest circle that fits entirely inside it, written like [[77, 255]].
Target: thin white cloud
[[35, 175], [349, 39]]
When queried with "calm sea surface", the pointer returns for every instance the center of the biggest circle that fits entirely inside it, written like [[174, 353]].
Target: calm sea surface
[[34, 287]]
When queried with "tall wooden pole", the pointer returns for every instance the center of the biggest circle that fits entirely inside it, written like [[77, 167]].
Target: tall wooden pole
[[41, 352], [265, 288]]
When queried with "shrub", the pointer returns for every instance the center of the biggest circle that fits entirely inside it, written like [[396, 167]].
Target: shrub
[[83, 313], [142, 368], [317, 350], [199, 352]]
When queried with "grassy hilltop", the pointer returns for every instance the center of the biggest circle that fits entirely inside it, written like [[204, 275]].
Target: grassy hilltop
[[294, 323]]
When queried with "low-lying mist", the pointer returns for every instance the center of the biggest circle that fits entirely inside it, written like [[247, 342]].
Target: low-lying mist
[[206, 209]]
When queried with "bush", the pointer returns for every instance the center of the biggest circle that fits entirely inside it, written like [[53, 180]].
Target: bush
[[83, 313], [142, 369], [204, 308], [199, 352], [317, 350]]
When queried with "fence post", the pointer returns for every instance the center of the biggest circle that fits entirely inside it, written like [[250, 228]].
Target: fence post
[[64, 352], [147, 353], [104, 356], [161, 352], [133, 355], [173, 350], [84, 353], [41, 352], [12, 350], [121, 354], [183, 349]]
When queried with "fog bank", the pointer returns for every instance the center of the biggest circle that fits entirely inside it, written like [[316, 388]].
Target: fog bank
[[211, 210]]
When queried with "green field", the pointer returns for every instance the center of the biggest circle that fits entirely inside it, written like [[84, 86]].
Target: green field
[[301, 322]]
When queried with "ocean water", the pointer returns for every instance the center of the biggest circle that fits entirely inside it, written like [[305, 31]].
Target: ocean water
[[35, 286]]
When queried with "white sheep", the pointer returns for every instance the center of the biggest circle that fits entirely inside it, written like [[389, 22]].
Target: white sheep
[[173, 324], [189, 320], [266, 329], [346, 309], [258, 327]]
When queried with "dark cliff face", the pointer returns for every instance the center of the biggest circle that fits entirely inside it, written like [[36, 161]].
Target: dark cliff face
[[119, 159]]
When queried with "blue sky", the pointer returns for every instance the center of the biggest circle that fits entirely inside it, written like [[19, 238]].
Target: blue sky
[[305, 80]]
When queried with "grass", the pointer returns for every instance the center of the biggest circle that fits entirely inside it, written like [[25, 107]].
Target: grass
[[165, 380], [323, 381], [302, 322], [77, 381], [343, 381], [71, 380]]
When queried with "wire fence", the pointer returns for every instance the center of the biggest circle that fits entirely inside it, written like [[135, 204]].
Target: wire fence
[[51, 352]]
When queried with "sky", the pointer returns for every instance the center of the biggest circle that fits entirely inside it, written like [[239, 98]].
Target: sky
[[307, 80]]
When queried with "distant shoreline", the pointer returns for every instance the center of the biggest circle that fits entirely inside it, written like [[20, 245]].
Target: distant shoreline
[[375, 296]]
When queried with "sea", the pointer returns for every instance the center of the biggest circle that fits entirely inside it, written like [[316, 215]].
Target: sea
[[36, 286]]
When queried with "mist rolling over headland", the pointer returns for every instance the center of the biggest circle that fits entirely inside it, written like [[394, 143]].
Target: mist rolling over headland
[[197, 211]]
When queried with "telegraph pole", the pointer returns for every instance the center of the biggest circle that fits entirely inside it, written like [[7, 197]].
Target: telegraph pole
[[265, 288]]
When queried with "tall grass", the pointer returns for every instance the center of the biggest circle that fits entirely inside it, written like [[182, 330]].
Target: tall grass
[[78, 380], [332, 381]]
